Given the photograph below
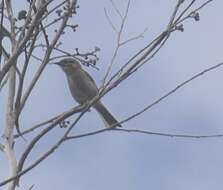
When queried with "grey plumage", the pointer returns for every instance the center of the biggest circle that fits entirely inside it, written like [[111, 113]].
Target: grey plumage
[[83, 88]]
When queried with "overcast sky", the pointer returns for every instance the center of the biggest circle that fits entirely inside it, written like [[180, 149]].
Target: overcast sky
[[123, 161]]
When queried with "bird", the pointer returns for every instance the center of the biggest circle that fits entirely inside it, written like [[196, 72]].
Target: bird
[[83, 88]]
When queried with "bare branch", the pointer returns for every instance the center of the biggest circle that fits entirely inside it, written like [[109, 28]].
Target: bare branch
[[21, 45], [144, 54], [1, 26], [119, 44], [28, 38], [2, 147], [173, 91], [181, 18], [185, 10], [172, 135], [133, 38], [175, 13], [21, 82], [4, 82], [48, 53], [10, 116], [63, 115]]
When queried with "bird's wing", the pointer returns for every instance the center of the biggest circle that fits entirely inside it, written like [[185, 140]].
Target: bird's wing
[[89, 76], [85, 85]]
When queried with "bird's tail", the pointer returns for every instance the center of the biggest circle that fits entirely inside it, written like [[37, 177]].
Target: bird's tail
[[106, 116]]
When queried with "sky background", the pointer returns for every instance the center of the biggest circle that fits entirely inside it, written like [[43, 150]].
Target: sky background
[[123, 161]]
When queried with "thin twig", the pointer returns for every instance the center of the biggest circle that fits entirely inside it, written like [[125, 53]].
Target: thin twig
[[133, 38], [63, 115], [118, 45], [21, 83], [171, 92], [184, 11], [169, 26], [44, 132], [181, 19], [110, 22], [1, 30], [172, 135], [4, 82], [149, 48], [116, 9]]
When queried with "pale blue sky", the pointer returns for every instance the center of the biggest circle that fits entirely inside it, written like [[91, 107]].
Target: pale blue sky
[[124, 161]]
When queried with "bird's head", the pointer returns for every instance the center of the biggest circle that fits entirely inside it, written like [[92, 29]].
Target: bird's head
[[69, 64]]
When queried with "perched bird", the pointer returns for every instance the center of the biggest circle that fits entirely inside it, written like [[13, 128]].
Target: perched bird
[[83, 88]]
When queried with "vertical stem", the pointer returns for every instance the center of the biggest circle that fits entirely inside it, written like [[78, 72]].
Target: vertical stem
[[10, 113], [10, 123]]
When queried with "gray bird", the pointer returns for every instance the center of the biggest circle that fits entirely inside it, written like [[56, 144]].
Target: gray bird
[[83, 88]]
